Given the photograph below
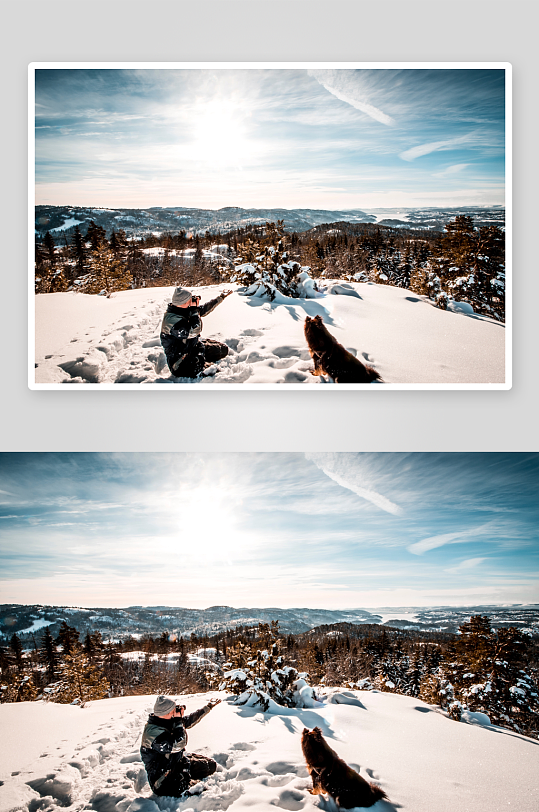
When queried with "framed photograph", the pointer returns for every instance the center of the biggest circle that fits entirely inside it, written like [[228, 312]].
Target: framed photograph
[[270, 225]]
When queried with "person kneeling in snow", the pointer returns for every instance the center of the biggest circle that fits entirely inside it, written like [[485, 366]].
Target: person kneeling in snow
[[186, 352], [169, 768]]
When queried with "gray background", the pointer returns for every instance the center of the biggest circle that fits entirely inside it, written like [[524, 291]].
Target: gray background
[[267, 30]]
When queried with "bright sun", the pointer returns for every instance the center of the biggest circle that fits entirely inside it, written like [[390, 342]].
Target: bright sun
[[220, 135], [208, 522]]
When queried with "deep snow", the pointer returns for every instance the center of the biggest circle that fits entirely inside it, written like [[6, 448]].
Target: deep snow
[[83, 339], [62, 756]]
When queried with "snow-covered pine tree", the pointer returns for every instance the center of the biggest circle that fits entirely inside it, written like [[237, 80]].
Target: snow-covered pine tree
[[391, 675], [437, 689], [483, 671], [471, 265], [265, 268], [266, 677], [413, 676]]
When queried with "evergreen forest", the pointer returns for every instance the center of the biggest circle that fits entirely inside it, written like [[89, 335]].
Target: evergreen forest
[[463, 263], [480, 669]]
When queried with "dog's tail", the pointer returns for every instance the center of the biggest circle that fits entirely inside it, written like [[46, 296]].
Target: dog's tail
[[373, 374], [377, 793]]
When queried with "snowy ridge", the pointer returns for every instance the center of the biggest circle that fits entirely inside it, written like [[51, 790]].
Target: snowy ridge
[[175, 218], [84, 339], [62, 756], [119, 623]]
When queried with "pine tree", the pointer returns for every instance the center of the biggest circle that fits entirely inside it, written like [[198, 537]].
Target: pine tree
[[78, 251], [49, 275], [136, 266], [49, 244], [68, 638], [95, 235], [484, 671], [20, 689], [81, 680], [16, 647], [413, 676], [107, 272], [48, 653], [471, 266]]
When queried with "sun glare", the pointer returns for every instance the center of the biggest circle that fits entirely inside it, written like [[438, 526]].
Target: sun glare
[[220, 135], [208, 523]]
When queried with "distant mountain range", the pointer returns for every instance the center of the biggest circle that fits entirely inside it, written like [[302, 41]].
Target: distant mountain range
[[117, 624], [62, 220]]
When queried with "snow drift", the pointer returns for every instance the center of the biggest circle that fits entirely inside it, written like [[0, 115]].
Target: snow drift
[[84, 339], [63, 756]]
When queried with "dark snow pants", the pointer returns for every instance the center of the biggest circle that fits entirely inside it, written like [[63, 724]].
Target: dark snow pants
[[206, 351], [176, 783]]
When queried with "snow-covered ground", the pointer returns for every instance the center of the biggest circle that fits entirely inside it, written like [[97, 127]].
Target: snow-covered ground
[[83, 339], [62, 756]]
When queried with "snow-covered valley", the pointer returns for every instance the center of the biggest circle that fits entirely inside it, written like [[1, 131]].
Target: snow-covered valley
[[87, 340], [63, 756]]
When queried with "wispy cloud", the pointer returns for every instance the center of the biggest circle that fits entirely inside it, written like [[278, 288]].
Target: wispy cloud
[[451, 170], [336, 468], [459, 537], [340, 84], [467, 564], [433, 146]]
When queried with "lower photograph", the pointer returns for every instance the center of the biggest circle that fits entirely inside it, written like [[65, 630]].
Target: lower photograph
[[215, 631]]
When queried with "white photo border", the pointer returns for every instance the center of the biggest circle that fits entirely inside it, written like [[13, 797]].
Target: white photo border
[[34, 66]]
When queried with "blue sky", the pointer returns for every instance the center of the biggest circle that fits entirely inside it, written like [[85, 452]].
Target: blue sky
[[322, 530], [322, 137]]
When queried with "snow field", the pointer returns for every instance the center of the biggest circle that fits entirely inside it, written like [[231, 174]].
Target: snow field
[[83, 339], [63, 756]]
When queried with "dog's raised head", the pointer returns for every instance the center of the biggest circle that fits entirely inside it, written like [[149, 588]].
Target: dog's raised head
[[317, 334], [315, 748]]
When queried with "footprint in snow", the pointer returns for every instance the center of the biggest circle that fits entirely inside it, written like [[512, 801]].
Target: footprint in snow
[[295, 376], [278, 780], [252, 332], [243, 746], [283, 363], [290, 799], [246, 773], [224, 759], [281, 768]]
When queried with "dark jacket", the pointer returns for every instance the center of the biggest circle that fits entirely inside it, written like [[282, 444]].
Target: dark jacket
[[180, 331], [163, 747]]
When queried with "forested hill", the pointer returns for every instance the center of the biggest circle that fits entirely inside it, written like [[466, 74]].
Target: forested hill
[[60, 220], [28, 620]]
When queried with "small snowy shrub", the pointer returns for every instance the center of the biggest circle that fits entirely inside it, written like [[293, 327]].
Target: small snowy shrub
[[266, 678], [267, 270]]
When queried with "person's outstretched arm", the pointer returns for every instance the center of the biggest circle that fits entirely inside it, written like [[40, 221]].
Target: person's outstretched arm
[[212, 304]]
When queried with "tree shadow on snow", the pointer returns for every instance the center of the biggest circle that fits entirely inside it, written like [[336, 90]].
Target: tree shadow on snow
[[505, 732], [312, 307], [479, 317], [310, 310]]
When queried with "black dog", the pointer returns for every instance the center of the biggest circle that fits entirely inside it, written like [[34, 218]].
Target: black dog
[[333, 776], [331, 358]]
